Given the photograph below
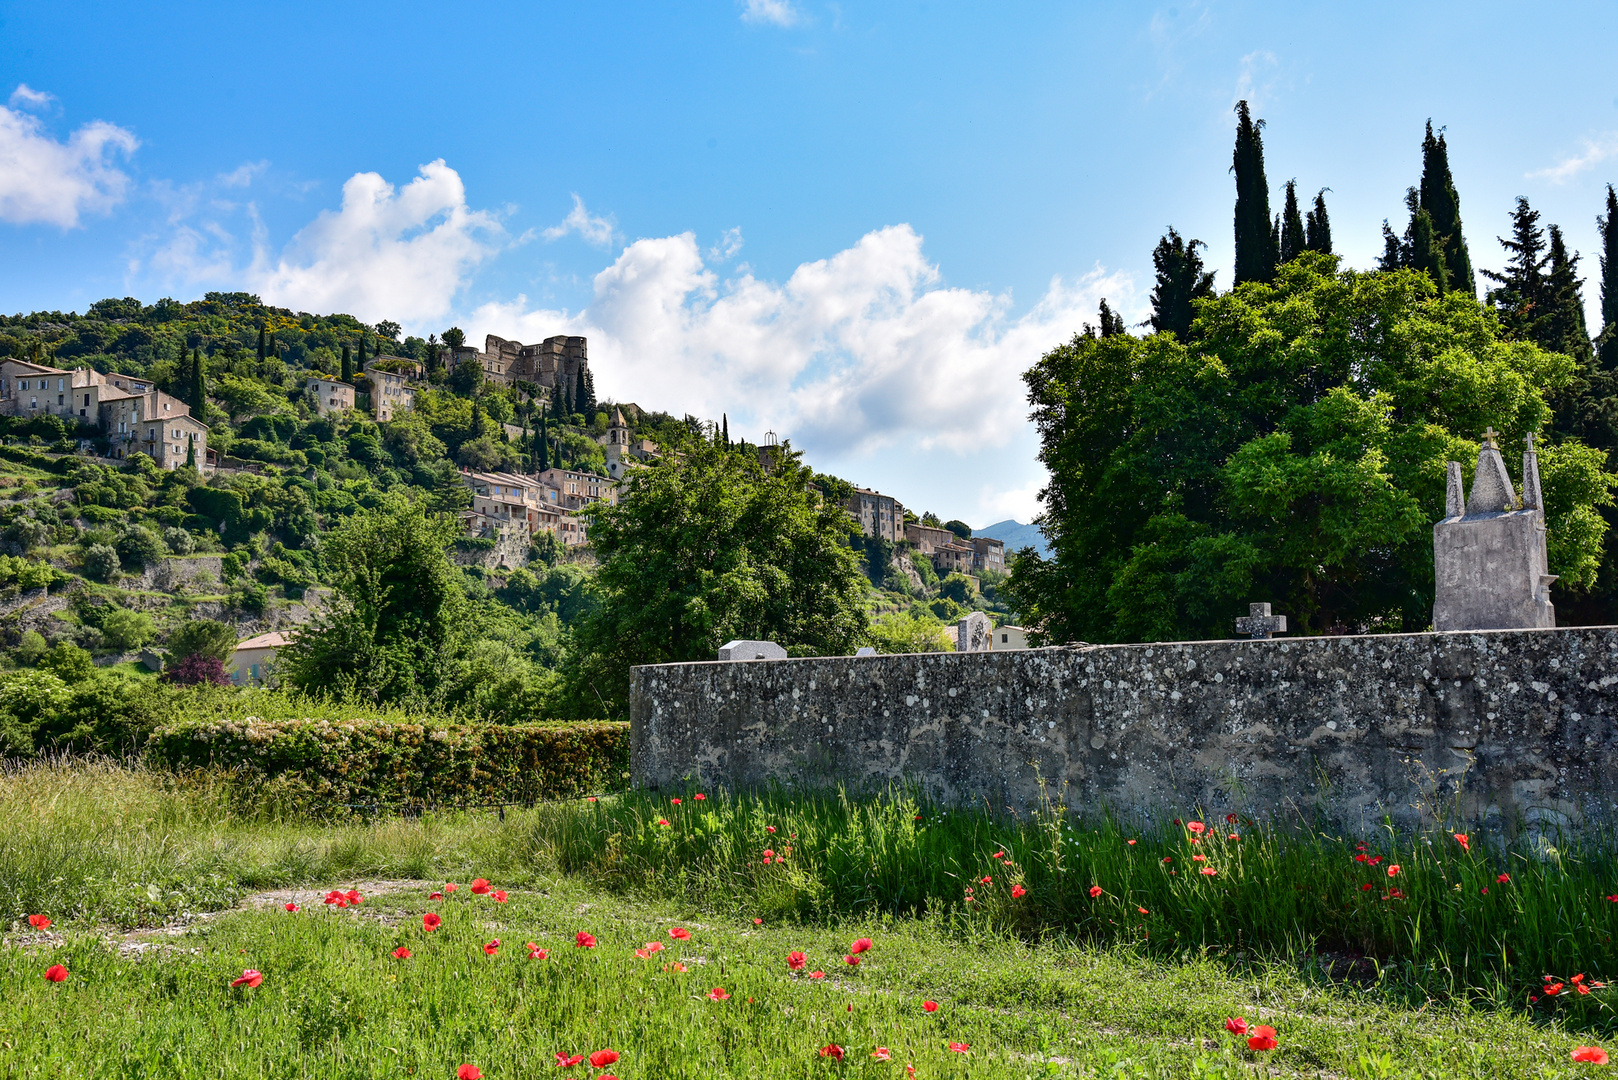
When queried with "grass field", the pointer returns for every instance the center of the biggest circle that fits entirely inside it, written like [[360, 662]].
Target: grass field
[[1054, 982]]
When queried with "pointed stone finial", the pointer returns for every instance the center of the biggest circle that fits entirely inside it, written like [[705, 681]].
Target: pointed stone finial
[[1454, 493], [1492, 492], [1489, 435], [1532, 497]]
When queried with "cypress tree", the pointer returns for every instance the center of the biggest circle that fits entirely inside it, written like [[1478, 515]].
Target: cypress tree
[[1112, 323], [1423, 247], [348, 365], [271, 352], [590, 393], [1608, 224], [359, 361], [1393, 254], [1293, 241], [1317, 226], [1521, 297], [261, 342], [1257, 245], [543, 460], [191, 451], [724, 420], [1180, 280], [1443, 205], [199, 384], [1564, 329]]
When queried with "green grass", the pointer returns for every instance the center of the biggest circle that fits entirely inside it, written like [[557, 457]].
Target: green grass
[[1055, 982]]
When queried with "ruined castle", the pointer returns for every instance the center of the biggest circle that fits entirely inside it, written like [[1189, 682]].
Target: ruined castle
[[555, 360]]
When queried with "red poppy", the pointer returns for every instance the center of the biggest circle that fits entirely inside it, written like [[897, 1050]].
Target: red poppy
[[1195, 827], [353, 897], [1095, 891], [1393, 871], [1593, 1054], [1208, 870], [56, 973], [1367, 887], [499, 896], [603, 1057], [998, 855], [769, 828], [881, 1053], [1581, 988], [758, 922], [642, 954], [986, 880], [1142, 910], [862, 945], [431, 922], [1168, 858], [39, 922], [582, 940], [852, 961], [292, 907], [1230, 819], [249, 978], [590, 798], [480, 887], [336, 898], [817, 974], [1262, 1038], [679, 933], [1017, 891], [435, 896], [674, 967], [537, 954], [1376, 860], [401, 953], [565, 1062], [961, 1048], [1502, 879], [1362, 857], [832, 1051], [492, 947], [930, 1006], [1131, 843], [1236, 1025], [768, 855], [469, 1072], [662, 821], [1233, 836], [796, 961], [718, 993], [451, 887], [1575, 980], [675, 802], [1199, 858], [699, 796], [1462, 839], [1553, 989], [654, 946]]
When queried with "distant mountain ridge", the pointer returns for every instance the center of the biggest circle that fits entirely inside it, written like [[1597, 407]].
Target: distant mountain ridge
[[1016, 536]]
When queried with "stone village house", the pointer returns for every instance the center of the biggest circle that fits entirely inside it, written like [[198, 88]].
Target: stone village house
[[135, 416]]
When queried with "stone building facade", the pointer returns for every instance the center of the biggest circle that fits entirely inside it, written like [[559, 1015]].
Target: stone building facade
[[878, 515], [135, 416], [331, 396], [556, 359]]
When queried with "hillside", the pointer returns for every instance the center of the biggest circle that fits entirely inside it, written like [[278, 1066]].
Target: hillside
[[1017, 536]]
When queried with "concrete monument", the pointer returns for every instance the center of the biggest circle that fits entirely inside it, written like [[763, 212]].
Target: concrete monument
[[974, 633], [1489, 563]]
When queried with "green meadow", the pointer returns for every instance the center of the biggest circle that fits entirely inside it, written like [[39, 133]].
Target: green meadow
[[1051, 945]]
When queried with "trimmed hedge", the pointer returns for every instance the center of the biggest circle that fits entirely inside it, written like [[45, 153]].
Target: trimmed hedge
[[316, 763]]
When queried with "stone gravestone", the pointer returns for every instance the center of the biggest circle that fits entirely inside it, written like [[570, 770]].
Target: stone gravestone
[[751, 650], [1489, 560], [1260, 624], [974, 633], [865, 650]]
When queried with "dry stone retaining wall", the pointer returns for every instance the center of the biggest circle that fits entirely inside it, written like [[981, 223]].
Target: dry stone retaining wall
[[1502, 729]]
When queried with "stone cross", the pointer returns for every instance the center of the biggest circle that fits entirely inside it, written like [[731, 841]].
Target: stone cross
[[1260, 624], [1489, 435], [751, 650], [974, 633]]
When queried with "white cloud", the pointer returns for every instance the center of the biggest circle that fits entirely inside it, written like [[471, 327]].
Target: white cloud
[[595, 231], [385, 254], [26, 97], [43, 180], [856, 353], [778, 12], [1022, 504], [729, 245], [1595, 151], [1257, 79]]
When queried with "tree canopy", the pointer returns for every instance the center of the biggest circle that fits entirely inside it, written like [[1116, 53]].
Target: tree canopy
[[1293, 452]]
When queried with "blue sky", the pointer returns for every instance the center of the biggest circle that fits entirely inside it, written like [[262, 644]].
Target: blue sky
[[854, 224]]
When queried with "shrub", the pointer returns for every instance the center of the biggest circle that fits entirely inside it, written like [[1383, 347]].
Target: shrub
[[68, 662], [203, 637], [957, 587], [125, 630], [140, 546], [197, 670], [179, 540], [904, 632], [315, 762], [31, 648], [101, 561]]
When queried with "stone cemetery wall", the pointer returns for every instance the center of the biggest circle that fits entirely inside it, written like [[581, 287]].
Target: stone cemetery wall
[[1501, 729]]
